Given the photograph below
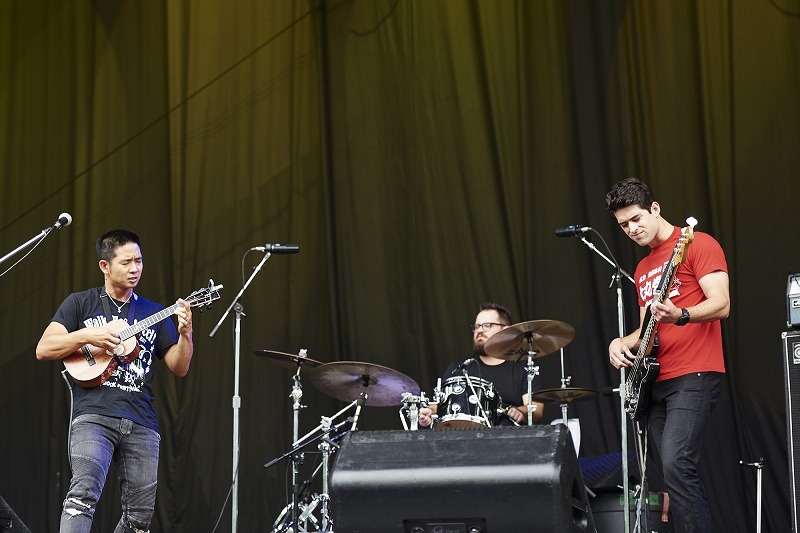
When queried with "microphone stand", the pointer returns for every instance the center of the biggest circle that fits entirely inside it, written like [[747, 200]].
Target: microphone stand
[[36, 239], [237, 400], [617, 281], [759, 466]]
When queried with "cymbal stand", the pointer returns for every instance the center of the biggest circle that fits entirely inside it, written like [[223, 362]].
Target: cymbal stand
[[297, 458], [565, 380], [532, 371], [321, 432]]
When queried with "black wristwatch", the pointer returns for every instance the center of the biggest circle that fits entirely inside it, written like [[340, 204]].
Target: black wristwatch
[[684, 319]]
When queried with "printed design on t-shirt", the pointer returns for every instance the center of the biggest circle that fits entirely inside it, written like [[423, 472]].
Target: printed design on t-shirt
[[130, 377], [648, 284]]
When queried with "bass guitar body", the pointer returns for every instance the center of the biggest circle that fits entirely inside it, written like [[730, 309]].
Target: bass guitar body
[[640, 387]]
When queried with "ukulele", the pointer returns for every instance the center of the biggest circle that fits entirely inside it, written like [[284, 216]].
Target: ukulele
[[91, 366]]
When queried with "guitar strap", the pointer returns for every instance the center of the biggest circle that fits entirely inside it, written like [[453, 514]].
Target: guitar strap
[[107, 309]]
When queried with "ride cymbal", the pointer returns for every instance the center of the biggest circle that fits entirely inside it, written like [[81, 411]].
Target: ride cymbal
[[288, 360], [346, 380], [541, 337], [563, 395]]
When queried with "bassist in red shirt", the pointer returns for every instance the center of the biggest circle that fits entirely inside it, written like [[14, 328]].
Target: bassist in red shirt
[[687, 316]]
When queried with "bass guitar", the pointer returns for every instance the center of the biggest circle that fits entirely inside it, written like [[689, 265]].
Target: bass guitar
[[91, 366], [644, 371]]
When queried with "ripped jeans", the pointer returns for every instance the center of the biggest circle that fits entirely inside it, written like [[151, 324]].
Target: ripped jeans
[[95, 441]]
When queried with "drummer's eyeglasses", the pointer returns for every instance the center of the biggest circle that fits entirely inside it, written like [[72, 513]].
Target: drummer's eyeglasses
[[486, 326]]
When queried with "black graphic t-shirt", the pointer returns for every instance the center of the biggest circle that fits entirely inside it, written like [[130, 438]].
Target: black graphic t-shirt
[[128, 391]]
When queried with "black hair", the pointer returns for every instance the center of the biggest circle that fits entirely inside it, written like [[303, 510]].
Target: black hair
[[627, 192], [504, 313], [108, 243]]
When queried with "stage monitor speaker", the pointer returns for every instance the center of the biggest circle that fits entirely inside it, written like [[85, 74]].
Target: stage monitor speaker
[[791, 370], [490, 480], [9, 521]]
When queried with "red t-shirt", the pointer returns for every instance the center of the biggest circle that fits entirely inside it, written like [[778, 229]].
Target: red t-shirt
[[695, 347]]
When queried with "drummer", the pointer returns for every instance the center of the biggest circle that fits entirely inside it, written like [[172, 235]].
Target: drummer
[[509, 378]]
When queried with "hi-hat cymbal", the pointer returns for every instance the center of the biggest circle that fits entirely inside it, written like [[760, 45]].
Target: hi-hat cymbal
[[288, 360], [563, 395], [541, 337], [346, 380]]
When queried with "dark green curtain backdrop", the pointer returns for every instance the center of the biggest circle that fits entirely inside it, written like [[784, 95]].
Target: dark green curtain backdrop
[[421, 153]]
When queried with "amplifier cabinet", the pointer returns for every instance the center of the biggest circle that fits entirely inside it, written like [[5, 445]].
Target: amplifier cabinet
[[791, 367]]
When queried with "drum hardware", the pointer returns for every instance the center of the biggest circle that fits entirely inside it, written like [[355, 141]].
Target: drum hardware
[[410, 410], [355, 382], [565, 394], [532, 339], [298, 363], [327, 432]]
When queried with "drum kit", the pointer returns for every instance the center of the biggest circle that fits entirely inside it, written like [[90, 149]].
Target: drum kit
[[463, 401]]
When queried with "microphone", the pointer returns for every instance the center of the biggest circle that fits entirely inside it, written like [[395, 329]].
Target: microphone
[[572, 231], [64, 219], [463, 365], [277, 248]]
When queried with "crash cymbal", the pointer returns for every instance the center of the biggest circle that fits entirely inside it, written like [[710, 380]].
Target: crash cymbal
[[541, 336], [563, 395], [345, 380], [288, 360]]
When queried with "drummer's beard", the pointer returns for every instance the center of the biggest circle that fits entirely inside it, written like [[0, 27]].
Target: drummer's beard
[[477, 348]]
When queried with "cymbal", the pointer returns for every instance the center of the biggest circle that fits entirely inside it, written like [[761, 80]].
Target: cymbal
[[288, 360], [542, 336], [563, 395], [345, 380]]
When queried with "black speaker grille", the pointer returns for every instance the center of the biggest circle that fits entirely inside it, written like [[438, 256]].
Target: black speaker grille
[[791, 359], [496, 480]]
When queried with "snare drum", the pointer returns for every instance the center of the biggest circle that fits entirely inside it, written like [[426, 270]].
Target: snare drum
[[469, 402]]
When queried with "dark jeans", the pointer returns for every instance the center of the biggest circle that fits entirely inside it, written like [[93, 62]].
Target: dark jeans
[[679, 415], [95, 441]]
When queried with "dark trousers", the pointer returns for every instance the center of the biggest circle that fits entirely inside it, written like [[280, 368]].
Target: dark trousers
[[678, 418]]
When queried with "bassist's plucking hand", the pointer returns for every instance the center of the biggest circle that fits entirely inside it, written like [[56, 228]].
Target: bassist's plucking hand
[[619, 354]]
